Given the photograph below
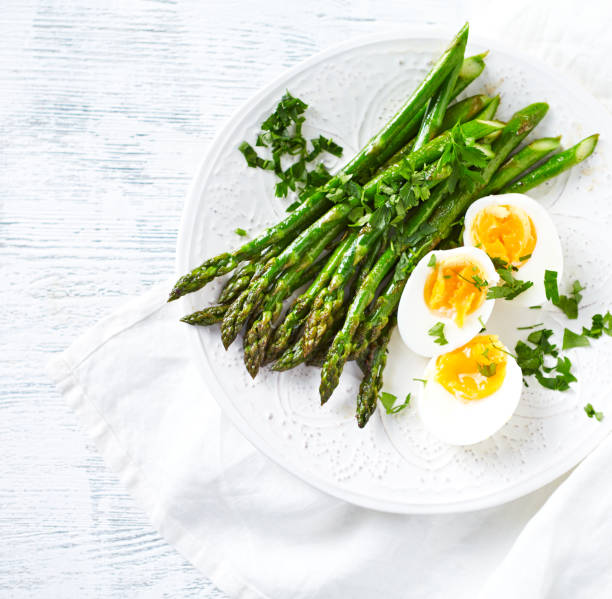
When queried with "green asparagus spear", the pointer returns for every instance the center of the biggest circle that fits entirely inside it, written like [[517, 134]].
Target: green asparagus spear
[[520, 162], [229, 328], [436, 109], [301, 306], [555, 165], [440, 223], [259, 333], [466, 110], [384, 307], [471, 69], [330, 299], [488, 112], [237, 282], [294, 355], [207, 316], [372, 381]]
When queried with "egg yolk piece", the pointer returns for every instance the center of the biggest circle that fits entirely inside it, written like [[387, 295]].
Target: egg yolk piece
[[475, 370], [455, 288], [506, 232]]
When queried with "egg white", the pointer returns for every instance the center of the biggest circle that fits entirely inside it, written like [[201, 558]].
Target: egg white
[[458, 421], [415, 319], [547, 254]]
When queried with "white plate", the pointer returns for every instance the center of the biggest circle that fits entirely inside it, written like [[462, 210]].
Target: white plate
[[393, 464]]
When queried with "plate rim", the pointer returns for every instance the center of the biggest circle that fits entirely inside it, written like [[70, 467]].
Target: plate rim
[[533, 482]]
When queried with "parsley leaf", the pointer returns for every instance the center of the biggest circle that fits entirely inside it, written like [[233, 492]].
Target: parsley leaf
[[571, 339], [437, 331], [561, 381], [531, 358], [240, 232], [511, 287], [550, 286], [432, 261], [566, 303], [590, 412], [533, 326], [600, 324], [461, 154], [487, 369], [253, 159], [388, 401]]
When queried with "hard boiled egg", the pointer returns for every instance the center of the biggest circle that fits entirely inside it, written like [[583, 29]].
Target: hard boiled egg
[[518, 230], [470, 392], [444, 302]]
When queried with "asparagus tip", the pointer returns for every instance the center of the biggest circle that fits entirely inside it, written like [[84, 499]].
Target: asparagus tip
[[585, 147]]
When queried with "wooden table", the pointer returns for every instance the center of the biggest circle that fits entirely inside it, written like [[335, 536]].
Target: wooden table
[[106, 107]]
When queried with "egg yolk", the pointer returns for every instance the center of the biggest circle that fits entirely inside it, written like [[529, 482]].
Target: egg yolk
[[455, 288], [505, 232], [475, 370]]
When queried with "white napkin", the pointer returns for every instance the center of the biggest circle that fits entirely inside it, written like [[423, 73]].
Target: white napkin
[[257, 531]]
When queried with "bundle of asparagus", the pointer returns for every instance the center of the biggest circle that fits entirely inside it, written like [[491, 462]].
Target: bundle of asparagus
[[410, 185]]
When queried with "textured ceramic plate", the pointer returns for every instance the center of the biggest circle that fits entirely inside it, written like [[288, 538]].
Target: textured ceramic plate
[[393, 464]]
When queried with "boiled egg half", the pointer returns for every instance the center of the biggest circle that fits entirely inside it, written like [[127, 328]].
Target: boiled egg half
[[519, 231], [444, 302], [470, 392]]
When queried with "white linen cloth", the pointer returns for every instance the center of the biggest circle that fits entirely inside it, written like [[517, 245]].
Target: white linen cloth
[[257, 531]]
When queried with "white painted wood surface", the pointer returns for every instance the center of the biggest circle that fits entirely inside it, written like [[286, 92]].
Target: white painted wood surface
[[106, 107]]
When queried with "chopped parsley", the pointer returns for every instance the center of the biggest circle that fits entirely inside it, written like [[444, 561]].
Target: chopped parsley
[[432, 261], [568, 304], [487, 369], [511, 287], [437, 331], [590, 412], [475, 280], [533, 326], [482, 324], [281, 133], [531, 355], [571, 339], [424, 381], [240, 232], [479, 283], [461, 154], [600, 324], [550, 286], [388, 401]]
